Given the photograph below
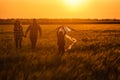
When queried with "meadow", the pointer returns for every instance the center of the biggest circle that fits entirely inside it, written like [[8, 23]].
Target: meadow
[[95, 56]]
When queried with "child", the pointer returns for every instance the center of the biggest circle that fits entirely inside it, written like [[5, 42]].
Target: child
[[18, 34]]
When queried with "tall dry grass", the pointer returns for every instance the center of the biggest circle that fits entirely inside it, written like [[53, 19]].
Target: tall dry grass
[[96, 56]]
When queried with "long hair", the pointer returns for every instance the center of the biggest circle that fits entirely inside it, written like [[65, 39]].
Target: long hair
[[60, 38]]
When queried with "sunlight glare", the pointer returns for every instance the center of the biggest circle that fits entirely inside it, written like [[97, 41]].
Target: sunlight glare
[[74, 4]]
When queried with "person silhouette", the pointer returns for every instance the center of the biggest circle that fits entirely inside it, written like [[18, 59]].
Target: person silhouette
[[34, 28], [61, 39], [18, 34]]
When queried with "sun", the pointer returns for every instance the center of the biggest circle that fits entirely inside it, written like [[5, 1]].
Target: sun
[[73, 3]]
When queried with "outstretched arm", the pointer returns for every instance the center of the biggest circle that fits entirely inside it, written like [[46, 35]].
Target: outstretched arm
[[27, 31], [22, 30], [40, 31]]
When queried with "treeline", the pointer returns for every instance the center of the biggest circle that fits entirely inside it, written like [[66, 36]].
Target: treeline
[[63, 21]]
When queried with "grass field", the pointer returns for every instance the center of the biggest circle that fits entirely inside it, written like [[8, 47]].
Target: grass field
[[95, 56]]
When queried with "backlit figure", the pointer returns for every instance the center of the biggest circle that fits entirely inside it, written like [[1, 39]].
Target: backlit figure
[[18, 34]]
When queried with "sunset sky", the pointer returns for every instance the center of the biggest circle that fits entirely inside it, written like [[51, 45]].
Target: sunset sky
[[60, 9]]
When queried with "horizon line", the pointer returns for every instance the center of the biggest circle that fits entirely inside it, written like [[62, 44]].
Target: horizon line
[[67, 18]]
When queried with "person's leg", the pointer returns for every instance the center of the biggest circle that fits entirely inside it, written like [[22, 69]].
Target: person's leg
[[33, 42], [16, 43], [59, 51], [63, 49], [20, 43]]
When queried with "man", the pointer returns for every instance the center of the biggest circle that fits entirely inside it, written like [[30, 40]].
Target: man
[[18, 34], [34, 28]]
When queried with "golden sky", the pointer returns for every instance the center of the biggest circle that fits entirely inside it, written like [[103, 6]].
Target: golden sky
[[60, 9]]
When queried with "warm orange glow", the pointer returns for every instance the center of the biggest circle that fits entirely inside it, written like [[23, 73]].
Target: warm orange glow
[[74, 4], [59, 8]]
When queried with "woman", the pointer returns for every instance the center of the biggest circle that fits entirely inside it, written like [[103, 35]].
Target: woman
[[61, 39]]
